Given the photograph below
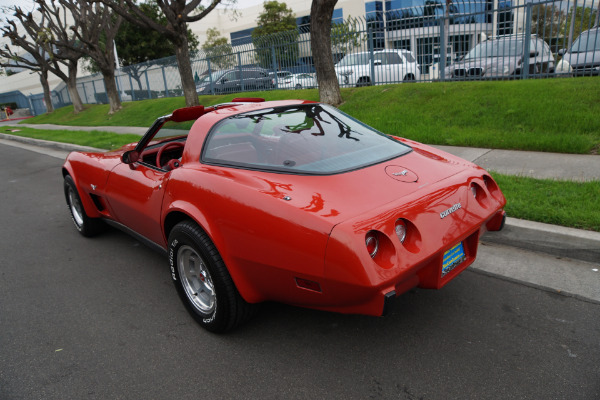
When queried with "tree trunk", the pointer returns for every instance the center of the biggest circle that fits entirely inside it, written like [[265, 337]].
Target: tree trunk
[[72, 88], [111, 90], [46, 87], [185, 72], [321, 13]]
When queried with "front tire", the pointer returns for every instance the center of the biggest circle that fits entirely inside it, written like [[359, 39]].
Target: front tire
[[203, 281], [85, 225]]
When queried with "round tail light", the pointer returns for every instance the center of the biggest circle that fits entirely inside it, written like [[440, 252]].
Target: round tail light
[[372, 243], [401, 230]]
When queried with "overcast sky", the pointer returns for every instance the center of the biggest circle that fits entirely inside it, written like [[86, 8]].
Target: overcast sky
[[26, 5], [29, 5]]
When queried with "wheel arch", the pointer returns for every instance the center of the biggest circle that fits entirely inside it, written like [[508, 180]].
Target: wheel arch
[[88, 204], [179, 212]]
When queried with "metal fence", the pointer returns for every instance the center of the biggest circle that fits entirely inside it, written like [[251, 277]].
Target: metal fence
[[455, 40]]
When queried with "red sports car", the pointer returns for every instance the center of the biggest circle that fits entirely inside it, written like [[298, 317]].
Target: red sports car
[[290, 201]]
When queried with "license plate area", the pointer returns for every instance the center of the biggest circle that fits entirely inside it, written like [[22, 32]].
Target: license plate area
[[453, 258]]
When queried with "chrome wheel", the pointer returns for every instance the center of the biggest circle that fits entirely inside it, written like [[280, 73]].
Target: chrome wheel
[[76, 208], [196, 279]]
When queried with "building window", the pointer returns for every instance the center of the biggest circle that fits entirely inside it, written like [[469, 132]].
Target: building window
[[241, 37], [375, 22], [403, 44]]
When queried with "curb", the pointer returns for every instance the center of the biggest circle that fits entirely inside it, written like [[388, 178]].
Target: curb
[[550, 239], [49, 143], [555, 240]]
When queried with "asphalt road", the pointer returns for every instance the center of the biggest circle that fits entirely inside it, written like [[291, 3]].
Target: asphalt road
[[99, 319]]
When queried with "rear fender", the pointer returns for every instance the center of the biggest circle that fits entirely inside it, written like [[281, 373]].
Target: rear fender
[[246, 290]]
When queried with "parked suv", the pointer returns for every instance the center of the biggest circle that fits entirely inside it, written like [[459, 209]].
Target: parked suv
[[503, 57], [584, 54], [389, 66], [230, 81]]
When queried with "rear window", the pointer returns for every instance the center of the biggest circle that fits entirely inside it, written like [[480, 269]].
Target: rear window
[[354, 59], [304, 139]]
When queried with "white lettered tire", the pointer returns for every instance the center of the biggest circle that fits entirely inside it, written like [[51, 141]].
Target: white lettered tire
[[203, 281]]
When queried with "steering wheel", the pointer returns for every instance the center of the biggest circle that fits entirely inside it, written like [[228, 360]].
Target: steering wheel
[[170, 145]]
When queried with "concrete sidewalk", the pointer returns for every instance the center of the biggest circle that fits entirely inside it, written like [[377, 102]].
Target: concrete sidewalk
[[575, 167], [550, 239]]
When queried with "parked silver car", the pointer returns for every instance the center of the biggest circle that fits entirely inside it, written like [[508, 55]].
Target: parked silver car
[[584, 54], [389, 66], [503, 57]]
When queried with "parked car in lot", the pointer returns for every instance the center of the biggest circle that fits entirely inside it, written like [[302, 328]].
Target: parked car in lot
[[235, 80], [503, 57], [290, 201], [280, 74], [389, 66], [584, 54], [298, 81]]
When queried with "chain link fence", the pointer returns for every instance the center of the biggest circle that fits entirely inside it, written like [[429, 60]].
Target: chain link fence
[[439, 41]]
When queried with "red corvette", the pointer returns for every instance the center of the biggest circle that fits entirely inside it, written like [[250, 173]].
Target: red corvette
[[289, 201]]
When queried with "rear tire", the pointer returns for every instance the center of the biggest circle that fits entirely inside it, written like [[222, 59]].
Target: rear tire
[[409, 78], [203, 281], [85, 225]]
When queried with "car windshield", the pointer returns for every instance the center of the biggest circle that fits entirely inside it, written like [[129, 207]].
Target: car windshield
[[587, 41], [304, 139], [207, 78], [497, 48], [354, 59], [171, 130]]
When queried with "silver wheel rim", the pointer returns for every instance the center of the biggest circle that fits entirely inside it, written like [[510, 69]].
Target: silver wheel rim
[[196, 279], [76, 209]]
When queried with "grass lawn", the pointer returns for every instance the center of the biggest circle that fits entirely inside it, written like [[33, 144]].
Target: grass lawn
[[566, 203], [554, 115], [97, 139]]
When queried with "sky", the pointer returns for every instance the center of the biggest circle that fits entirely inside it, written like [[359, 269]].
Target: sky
[[29, 5], [26, 5]]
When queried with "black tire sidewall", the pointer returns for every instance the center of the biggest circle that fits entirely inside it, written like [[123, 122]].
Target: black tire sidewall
[[89, 226], [190, 235], [68, 186]]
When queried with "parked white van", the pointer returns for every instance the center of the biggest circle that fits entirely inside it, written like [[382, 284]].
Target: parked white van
[[389, 66]]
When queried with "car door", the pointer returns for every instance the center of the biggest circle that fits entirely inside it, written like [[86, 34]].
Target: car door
[[394, 67], [230, 82], [135, 193], [379, 68]]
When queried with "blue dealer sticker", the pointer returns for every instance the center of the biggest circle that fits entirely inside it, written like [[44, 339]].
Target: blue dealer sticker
[[452, 258]]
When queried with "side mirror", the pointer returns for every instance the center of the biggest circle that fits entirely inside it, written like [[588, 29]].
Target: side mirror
[[562, 52], [223, 80], [129, 157], [377, 62], [533, 53]]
